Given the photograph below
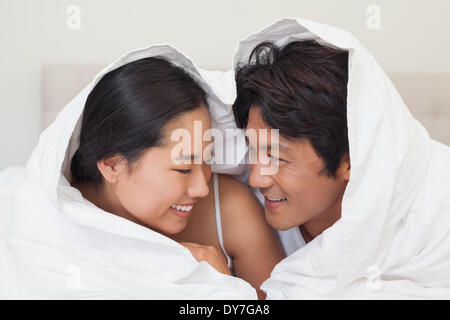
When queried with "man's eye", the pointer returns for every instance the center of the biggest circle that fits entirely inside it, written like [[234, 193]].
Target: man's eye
[[275, 158], [184, 171]]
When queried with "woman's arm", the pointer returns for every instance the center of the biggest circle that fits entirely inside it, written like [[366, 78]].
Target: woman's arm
[[210, 254], [248, 239]]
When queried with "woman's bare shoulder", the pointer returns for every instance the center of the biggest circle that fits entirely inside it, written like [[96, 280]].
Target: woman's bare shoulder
[[234, 195], [241, 212], [248, 238]]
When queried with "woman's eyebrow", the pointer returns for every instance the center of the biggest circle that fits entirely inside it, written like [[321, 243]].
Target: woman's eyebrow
[[191, 157]]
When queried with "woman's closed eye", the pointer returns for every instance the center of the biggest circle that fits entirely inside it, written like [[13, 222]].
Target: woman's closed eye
[[186, 171]]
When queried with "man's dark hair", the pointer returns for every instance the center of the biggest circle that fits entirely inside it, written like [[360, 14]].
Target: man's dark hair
[[300, 89], [127, 111]]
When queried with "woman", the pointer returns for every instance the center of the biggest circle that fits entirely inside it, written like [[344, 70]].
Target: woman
[[109, 239], [124, 166]]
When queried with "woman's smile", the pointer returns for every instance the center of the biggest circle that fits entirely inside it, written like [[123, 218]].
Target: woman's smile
[[182, 210]]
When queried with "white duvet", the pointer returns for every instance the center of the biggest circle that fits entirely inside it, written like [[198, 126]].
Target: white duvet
[[393, 239], [55, 244]]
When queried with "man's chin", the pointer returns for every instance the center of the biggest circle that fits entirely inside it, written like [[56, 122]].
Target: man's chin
[[276, 221]]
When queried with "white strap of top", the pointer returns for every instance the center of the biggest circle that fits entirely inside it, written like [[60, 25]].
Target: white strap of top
[[218, 217]]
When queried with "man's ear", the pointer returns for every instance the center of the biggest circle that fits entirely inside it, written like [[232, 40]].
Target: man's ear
[[344, 167], [111, 168]]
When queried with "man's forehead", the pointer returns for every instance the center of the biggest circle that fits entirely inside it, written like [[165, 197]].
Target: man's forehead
[[257, 128], [255, 120]]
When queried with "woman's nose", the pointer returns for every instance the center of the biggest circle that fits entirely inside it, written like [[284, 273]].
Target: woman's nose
[[258, 180], [199, 184]]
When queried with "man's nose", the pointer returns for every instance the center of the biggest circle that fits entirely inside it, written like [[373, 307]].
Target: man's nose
[[256, 179]]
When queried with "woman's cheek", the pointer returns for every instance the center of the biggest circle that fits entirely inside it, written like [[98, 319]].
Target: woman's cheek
[[136, 198], [156, 199]]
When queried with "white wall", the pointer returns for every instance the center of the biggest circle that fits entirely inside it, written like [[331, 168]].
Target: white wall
[[413, 38]]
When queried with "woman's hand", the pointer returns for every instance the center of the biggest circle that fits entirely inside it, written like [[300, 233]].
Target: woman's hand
[[210, 254]]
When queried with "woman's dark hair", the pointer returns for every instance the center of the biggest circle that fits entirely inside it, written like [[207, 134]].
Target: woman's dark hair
[[300, 89], [127, 110]]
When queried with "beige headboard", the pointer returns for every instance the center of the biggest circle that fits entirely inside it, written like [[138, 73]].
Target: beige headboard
[[427, 95], [428, 98]]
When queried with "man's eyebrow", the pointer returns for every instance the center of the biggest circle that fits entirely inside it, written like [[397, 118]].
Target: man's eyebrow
[[281, 146]]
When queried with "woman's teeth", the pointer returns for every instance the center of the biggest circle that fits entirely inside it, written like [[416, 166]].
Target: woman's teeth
[[182, 208], [276, 199]]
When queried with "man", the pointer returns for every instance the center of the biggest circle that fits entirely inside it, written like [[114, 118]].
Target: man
[[359, 181], [303, 94]]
